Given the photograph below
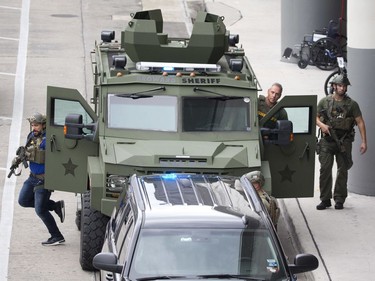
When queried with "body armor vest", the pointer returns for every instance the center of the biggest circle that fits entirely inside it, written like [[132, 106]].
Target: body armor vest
[[339, 115], [34, 153]]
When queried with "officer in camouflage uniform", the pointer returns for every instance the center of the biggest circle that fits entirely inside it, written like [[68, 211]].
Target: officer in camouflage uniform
[[266, 103], [33, 194], [337, 116], [257, 180]]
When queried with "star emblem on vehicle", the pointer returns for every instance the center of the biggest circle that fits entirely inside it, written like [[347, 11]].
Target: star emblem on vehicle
[[286, 174], [69, 167]]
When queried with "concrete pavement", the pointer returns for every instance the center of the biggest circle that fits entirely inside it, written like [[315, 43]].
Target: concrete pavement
[[341, 239]]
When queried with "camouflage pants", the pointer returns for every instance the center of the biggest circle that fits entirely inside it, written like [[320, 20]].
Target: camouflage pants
[[328, 152]]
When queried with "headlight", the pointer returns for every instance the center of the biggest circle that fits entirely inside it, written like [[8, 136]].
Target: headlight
[[116, 183]]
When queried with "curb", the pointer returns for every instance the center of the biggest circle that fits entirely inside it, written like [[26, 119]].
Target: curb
[[298, 229]]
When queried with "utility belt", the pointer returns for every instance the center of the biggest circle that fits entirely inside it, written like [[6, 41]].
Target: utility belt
[[341, 135], [328, 138], [40, 176]]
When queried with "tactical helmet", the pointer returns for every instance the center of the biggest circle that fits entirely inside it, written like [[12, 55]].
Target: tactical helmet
[[37, 118], [341, 79], [256, 176]]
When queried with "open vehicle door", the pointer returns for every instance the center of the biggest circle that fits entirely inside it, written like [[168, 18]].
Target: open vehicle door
[[292, 166], [66, 159]]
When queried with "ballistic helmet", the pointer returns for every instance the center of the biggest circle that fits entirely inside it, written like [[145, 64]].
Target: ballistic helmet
[[341, 79], [38, 118], [256, 176]]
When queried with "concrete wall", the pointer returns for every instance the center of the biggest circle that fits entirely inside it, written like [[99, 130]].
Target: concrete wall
[[300, 17]]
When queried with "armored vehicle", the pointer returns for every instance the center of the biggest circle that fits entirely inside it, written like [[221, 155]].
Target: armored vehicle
[[192, 227], [170, 105]]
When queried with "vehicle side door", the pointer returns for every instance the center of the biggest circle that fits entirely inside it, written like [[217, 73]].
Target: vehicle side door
[[292, 166], [66, 159]]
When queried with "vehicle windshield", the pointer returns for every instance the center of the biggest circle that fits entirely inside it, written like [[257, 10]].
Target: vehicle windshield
[[241, 253], [142, 112], [215, 114], [161, 113]]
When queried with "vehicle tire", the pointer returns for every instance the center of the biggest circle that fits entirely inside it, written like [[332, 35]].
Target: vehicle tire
[[324, 53], [302, 64], [93, 226], [327, 84]]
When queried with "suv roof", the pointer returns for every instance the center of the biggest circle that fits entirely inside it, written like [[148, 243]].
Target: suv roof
[[197, 200]]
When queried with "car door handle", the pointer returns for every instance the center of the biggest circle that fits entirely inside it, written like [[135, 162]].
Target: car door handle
[[305, 150], [53, 144]]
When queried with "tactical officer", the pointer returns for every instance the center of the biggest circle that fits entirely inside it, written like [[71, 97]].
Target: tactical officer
[[257, 180], [33, 194], [337, 116], [266, 103]]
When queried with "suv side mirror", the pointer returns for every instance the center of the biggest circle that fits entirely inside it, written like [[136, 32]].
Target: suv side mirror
[[73, 128], [304, 263], [282, 134], [107, 262]]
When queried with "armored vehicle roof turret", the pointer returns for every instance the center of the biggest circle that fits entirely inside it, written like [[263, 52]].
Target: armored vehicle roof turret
[[144, 40], [148, 54]]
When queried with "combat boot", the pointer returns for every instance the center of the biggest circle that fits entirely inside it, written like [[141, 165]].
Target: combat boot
[[339, 206], [324, 204]]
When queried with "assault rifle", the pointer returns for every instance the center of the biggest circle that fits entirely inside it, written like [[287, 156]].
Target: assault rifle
[[339, 143], [21, 158]]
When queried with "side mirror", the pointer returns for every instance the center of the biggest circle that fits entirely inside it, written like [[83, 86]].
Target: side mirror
[[73, 128], [304, 263], [281, 135], [107, 262]]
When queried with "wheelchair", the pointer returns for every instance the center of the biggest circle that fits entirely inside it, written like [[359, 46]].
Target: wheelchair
[[321, 48]]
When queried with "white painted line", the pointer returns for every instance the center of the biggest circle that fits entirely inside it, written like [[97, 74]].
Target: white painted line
[[8, 38], [7, 74], [7, 205], [10, 8]]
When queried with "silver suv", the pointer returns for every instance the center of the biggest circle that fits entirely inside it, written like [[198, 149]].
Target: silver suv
[[183, 226]]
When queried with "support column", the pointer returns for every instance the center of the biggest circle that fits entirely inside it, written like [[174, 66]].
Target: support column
[[361, 61]]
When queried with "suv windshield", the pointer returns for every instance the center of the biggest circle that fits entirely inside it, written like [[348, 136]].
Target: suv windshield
[[197, 252]]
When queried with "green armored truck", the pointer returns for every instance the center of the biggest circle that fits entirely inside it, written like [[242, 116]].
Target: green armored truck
[[170, 105]]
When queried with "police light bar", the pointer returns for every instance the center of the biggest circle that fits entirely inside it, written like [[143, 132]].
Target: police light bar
[[183, 67]]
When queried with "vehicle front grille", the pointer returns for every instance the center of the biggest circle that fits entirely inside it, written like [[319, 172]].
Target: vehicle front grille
[[178, 162]]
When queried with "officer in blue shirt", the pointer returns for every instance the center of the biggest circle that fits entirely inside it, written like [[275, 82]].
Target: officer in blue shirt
[[33, 194]]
